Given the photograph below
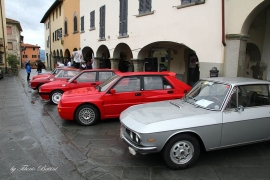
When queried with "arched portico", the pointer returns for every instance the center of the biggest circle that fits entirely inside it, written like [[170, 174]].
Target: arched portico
[[122, 56], [169, 56], [103, 57], [247, 53]]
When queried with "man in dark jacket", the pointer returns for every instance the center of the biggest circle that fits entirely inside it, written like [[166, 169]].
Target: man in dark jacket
[[39, 67]]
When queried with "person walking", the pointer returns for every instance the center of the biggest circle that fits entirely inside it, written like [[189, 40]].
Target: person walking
[[39, 67], [28, 69]]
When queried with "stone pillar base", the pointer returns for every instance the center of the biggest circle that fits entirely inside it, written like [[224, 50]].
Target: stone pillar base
[[138, 65], [114, 63]]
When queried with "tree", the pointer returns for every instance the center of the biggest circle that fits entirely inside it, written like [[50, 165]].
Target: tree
[[13, 61]]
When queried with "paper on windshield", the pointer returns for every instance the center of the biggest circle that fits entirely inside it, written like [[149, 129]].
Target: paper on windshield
[[204, 102]]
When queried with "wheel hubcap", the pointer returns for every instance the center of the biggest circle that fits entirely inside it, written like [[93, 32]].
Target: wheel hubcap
[[56, 97], [182, 152], [87, 115]]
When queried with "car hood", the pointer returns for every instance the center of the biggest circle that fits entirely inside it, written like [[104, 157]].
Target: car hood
[[81, 92], [163, 114]]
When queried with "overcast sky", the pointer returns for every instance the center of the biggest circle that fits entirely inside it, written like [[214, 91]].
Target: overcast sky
[[29, 13]]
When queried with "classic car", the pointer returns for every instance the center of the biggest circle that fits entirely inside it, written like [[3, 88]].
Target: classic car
[[216, 113], [62, 75], [53, 72], [109, 99], [87, 78]]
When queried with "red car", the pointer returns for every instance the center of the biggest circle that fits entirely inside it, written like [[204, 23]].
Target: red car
[[109, 99], [62, 75], [87, 78], [53, 72]]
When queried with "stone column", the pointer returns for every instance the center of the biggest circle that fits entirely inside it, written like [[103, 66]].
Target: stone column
[[266, 46], [114, 63], [235, 55], [138, 65]]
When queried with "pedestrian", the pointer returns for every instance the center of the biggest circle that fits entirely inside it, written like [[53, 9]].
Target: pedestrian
[[89, 64], [28, 69], [69, 63], [83, 66], [39, 67]]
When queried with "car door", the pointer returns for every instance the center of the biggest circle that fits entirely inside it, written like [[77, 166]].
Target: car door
[[86, 79], [252, 123], [128, 93], [157, 88]]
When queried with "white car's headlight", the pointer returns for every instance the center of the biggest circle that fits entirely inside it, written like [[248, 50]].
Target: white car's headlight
[[134, 136]]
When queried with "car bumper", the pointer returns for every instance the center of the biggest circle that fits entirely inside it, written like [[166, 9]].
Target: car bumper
[[44, 95], [66, 113], [139, 149]]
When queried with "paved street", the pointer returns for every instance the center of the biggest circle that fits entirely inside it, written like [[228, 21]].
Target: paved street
[[35, 143]]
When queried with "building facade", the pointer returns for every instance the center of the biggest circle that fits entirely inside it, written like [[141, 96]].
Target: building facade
[[3, 37], [62, 34], [30, 51], [14, 38]]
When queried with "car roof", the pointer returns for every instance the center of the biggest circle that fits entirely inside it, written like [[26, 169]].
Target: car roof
[[237, 80], [110, 70]]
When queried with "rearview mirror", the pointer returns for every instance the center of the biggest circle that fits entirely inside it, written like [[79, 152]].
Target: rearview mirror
[[74, 81], [112, 91]]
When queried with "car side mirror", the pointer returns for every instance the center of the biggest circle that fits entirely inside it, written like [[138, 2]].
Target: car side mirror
[[112, 91], [74, 81]]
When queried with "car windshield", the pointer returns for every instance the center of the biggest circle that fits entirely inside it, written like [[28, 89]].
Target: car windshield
[[208, 95], [106, 84]]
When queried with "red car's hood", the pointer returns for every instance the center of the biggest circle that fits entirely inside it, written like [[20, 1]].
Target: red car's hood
[[81, 92]]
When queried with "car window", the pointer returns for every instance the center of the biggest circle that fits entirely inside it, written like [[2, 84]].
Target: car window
[[128, 84], [250, 96], [103, 76], [207, 94], [87, 77], [156, 83], [59, 74]]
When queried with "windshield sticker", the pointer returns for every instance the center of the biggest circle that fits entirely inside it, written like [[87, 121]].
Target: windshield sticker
[[204, 102]]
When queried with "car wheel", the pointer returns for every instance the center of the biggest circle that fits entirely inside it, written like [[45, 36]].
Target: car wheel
[[87, 115], [38, 86], [55, 96], [181, 152]]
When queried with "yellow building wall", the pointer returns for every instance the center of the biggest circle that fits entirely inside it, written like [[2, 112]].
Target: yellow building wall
[[3, 34], [72, 39]]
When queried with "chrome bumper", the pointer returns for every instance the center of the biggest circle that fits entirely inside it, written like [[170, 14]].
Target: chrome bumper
[[140, 149]]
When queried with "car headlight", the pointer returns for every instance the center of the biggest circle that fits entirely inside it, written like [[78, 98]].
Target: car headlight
[[134, 136]]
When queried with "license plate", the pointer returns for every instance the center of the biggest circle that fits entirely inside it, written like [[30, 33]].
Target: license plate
[[132, 151]]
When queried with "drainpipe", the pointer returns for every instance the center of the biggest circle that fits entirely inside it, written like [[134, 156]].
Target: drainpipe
[[4, 40], [223, 26]]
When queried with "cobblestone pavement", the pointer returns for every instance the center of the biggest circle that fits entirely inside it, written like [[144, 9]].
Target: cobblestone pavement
[[35, 143]]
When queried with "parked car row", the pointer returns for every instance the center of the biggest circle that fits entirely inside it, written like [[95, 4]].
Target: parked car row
[[161, 114]]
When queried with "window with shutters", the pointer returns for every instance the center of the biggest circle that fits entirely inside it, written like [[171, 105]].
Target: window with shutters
[[187, 3], [59, 33], [65, 25], [102, 23], [92, 20], [9, 30], [52, 36], [145, 6], [123, 18], [34, 56], [75, 24], [25, 56], [82, 24]]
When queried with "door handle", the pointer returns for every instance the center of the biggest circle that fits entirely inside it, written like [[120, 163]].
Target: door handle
[[170, 92], [138, 94]]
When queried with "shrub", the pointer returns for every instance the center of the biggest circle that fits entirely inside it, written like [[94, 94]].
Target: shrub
[[13, 61]]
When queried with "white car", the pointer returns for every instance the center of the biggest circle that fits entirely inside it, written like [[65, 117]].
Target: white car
[[217, 113]]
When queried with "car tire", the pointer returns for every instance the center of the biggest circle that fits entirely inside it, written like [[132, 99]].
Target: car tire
[[87, 115], [38, 86], [55, 96], [181, 151]]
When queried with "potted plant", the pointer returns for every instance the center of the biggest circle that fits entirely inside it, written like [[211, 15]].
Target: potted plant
[[13, 63]]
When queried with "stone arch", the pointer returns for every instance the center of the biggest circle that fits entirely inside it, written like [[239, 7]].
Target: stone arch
[[170, 56], [103, 56], [123, 55]]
